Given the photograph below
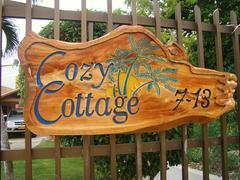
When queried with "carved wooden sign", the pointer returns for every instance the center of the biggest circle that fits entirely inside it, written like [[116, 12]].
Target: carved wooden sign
[[125, 81]]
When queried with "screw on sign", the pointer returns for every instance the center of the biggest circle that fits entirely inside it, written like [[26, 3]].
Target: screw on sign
[[126, 81]]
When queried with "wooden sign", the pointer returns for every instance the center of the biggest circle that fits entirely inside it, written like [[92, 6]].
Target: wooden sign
[[125, 81]]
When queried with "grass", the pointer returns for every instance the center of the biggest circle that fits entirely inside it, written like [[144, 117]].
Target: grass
[[72, 168]]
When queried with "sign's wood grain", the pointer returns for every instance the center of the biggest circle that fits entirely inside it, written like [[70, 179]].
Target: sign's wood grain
[[126, 81]]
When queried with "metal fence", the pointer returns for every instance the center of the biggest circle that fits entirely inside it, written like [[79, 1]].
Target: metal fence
[[89, 150]]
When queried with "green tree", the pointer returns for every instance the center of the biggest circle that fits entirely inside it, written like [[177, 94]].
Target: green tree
[[10, 31], [70, 31], [167, 8]]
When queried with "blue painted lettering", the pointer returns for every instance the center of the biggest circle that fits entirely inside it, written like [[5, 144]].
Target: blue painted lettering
[[84, 76], [74, 74], [130, 105], [119, 103], [39, 82], [106, 112], [36, 109], [71, 104]]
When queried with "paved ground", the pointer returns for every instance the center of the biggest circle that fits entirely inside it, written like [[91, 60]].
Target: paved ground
[[175, 172], [19, 142]]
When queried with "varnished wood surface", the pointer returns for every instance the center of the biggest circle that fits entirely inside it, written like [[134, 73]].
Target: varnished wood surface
[[157, 106]]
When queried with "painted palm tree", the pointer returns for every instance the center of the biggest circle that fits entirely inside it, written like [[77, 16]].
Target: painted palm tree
[[140, 55]]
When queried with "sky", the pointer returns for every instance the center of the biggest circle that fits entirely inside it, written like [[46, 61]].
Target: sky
[[9, 73]]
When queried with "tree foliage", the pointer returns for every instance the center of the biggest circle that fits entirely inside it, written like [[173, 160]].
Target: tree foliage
[[167, 8], [10, 30], [20, 83], [70, 31]]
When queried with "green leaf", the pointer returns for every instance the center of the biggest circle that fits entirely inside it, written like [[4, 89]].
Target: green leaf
[[144, 42], [118, 52], [164, 79], [109, 61], [110, 74], [147, 67], [150, 86], [132, 42], [144, 75], [11, 33], [126, 52], [154, 58], [156, 72], [168, 87], [124, 68], [157, 88], [110, 77], [169, 70], [150, 49], [136, 69], [129, 61]]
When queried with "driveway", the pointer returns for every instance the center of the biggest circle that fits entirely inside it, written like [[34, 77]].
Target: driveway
[[19, 143], [175, 172]]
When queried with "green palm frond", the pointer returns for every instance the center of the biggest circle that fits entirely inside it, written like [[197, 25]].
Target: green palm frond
[[157, 88], [142, 43], [10, 30], [132, 42], [169, 70], [150, 48], [170, 88]]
